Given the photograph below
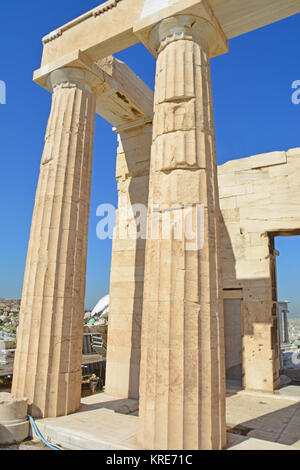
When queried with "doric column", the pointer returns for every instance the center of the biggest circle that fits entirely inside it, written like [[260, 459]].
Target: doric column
[[182, 385], [47, 367], [285, 325], [281, 318], [128, 263]]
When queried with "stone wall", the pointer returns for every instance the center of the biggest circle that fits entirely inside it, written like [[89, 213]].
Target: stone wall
[[259, 199]]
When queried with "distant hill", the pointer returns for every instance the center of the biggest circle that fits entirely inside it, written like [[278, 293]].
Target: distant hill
[[294, 316]]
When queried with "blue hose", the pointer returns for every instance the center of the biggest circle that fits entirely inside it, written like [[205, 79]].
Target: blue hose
[[40, 436]]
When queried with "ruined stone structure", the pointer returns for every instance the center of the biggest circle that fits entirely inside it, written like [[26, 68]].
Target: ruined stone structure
[[158, 281], [259, 199]]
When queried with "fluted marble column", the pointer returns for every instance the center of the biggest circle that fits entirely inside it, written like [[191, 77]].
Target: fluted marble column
[[182, 385], [128, 263], [47, 367], [285, 326]]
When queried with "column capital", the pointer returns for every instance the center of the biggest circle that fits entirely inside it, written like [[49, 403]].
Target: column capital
[[187, 27], [69, 77]]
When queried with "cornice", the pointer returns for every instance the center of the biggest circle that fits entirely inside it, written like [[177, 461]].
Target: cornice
[[105, 7], [109, 5], [51, 36]]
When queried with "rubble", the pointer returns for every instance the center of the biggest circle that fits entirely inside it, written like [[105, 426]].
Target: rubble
[[9, 318], [9, 321], [94, 322]]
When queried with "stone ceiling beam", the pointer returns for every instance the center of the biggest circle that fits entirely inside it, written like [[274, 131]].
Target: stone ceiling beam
[[109, 28], [242, 16], [122, 98]]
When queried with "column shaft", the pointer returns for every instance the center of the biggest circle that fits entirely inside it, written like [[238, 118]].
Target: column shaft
[[47, 367], [182, 385], [128, 263], [285, 327]]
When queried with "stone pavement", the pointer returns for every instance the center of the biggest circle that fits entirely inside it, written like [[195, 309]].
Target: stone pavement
[[257, 444], [103, 423], [273, 418], [268, 422], [34, 444]]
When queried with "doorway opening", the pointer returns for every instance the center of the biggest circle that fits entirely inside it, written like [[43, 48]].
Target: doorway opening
[[233, 339], [287, 250]]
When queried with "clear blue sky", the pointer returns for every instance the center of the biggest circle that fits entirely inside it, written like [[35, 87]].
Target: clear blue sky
[[253, 114]]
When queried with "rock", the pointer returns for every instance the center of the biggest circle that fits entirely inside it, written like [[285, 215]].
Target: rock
[[14, 425], [284, 380], [4, 319], [130, 406], [7, 344]]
